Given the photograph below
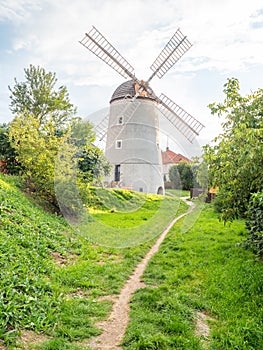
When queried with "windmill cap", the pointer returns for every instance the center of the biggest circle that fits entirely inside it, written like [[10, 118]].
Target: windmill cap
[[126, 90]]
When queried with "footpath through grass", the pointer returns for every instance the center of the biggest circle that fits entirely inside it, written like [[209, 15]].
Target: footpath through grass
[[204, 269], [52, 277]]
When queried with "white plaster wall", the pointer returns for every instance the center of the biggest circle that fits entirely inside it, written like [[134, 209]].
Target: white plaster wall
[[140, 154]]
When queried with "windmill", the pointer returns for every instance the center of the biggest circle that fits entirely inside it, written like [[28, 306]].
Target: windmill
[[132, 126]]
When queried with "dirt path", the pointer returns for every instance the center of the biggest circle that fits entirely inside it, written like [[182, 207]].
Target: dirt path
[[114, 328]]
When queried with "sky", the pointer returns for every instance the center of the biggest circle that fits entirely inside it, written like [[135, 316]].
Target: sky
[[227, 38]]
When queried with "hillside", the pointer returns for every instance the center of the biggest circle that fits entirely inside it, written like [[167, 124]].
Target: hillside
[[28, 236], [50, 272]]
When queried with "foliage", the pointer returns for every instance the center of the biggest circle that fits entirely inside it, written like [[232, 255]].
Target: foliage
[[8, 155], [79, 164], [235, 159], [46, 125], [200, 171], [37, 148], [204, 270], [92, 164], [38, 96], [43, 117], [181, 176], [254, 223]]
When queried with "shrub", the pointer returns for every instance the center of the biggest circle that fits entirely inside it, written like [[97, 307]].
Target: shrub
[[8, 156], [254, 223]]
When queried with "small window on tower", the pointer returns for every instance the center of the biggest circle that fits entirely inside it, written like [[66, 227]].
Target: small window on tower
[[118, 144], [120, 120]]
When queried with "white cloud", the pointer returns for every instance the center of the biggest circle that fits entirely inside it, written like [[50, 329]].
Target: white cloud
[[221, 31], [17, 11]]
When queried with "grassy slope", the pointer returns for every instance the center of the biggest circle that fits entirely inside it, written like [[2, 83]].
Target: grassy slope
[[27, 236], [202, 269], [51, 277]]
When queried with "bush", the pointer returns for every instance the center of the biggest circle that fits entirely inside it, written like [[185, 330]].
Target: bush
[[8, 156], [181, 176], [254, 223]]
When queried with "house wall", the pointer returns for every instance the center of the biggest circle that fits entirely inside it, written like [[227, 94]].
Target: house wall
[[166, 168]]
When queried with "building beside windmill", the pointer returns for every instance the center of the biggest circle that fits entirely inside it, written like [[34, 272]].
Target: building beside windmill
[[170, 158], [132, 144]]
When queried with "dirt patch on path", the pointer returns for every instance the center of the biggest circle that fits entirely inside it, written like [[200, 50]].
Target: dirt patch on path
[[2, 347], [114, 328], [202, 328]]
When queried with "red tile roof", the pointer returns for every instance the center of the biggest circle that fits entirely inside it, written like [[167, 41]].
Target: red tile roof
[[169, 157]]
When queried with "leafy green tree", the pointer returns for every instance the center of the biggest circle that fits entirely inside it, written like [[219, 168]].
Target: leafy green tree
[[45, 122], [43, 116], [92, 163], [181, 176], [36, 148], [38, 96], [235, 158]]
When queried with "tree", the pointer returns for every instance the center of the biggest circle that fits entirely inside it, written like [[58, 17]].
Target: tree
[[38, 96], [181, 176], [79, 164], [43, 115], [36, 148], [92, 164], [45, 121], [235, 158]]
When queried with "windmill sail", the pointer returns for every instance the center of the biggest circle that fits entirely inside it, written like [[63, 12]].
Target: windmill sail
[[182, 120], [177, 46], [99, 45]]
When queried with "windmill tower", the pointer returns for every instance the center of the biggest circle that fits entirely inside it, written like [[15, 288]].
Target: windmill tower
[[132, 135]]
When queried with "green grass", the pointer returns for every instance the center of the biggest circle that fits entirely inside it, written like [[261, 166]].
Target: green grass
[[118, 229], [200, 266], [203, 269], [60, 298], [59, 344], [178, 193], [112, 199]]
